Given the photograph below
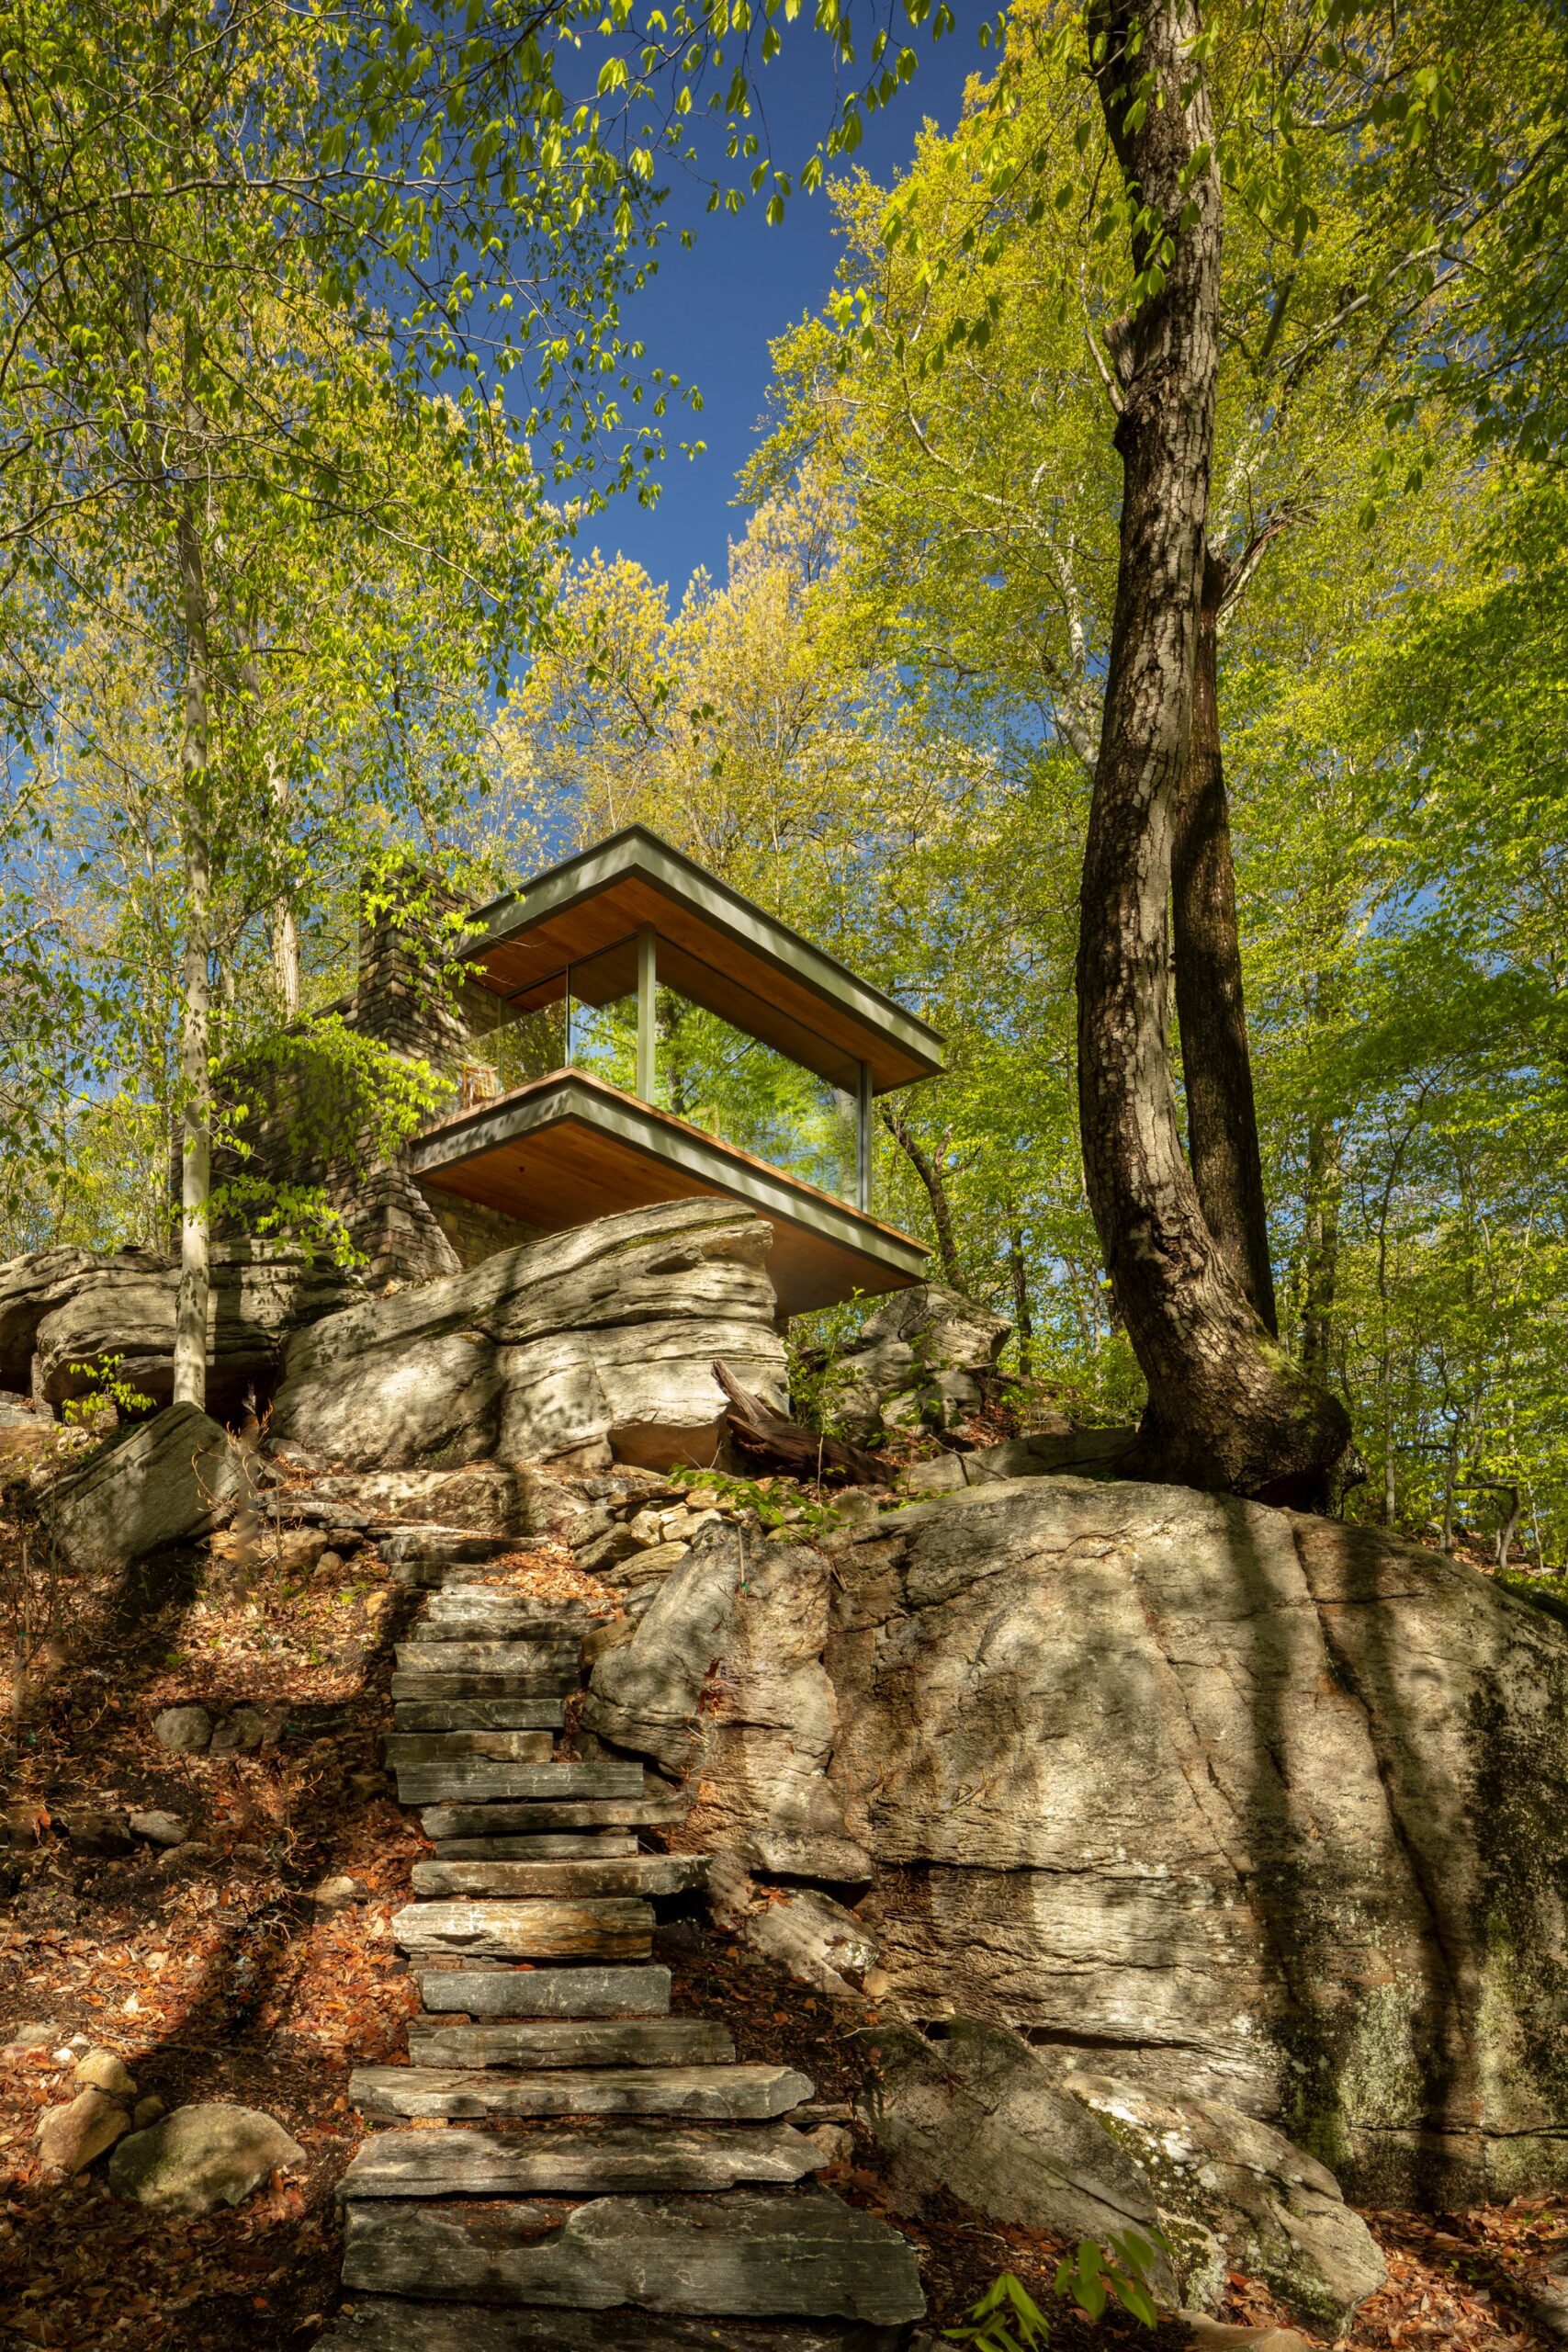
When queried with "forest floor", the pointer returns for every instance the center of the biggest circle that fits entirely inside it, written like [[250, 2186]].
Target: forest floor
[[214, 1973]]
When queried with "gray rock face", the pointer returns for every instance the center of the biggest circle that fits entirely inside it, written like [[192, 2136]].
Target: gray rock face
[[1273, 1810], [926, 1360], [588, 1346], [163, 1481], [200, 2158], [1266, 2207], [69, 1307], [1276, 1809], [978, 2113], [756, 1751]]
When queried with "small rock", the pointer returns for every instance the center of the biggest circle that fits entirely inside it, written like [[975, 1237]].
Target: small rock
[[609, 1636], [146, 2111], [92, 1832], [650, 1567], [191, 1860], [331, 1564], [187, 1730], [703, 1499], [159, 1828], [367, 1784], [644, 1530], [101, 2070], [834, 2142], [240, 1733], [70, 2137], [32, 2036], [339, 1894], [200, 2158]]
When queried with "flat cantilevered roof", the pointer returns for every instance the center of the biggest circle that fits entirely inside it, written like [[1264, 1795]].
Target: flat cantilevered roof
[[568, 1145], [713, 946]]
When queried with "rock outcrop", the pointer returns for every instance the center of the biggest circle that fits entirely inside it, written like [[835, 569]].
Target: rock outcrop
[[587, 1347], [158, 1482], [924, 1360], [63, 1312], [1232, 1804]]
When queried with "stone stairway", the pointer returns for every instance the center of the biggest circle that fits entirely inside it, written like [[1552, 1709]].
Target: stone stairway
[[559, 2146]]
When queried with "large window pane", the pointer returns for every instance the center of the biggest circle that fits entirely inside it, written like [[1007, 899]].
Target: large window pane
[[737, 1088]]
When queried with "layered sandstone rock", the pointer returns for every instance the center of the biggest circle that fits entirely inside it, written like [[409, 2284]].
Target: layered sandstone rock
[[588, 1346]]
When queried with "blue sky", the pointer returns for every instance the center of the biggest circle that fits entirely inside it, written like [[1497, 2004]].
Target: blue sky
[[711, 311]]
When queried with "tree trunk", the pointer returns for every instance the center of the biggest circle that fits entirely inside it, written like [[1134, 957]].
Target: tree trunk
[[1320, 1268], [931, 1176], [1022, 1314], [1222, 1116], [196, 1016], [1227, 1408]]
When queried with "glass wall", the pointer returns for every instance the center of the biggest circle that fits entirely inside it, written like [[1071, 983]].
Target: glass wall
[[704, 1070]]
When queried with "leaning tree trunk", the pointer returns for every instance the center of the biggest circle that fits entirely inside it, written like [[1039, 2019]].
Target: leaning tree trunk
[[195, 1012], [1227, 1408], [1216, 1068]]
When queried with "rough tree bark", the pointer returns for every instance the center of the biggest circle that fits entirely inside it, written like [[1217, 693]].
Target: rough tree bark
[[196, 1015], [1023, 1312], [1227, 1408], [1222, 1115]]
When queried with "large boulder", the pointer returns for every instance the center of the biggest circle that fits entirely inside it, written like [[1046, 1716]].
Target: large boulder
[[1241, 1805], [65, 1312], [1022, 2140], [588, 1346], [163, 1481]]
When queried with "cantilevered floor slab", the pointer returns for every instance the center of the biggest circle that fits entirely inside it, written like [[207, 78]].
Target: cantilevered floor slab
[[567, 1148], [715, 946]]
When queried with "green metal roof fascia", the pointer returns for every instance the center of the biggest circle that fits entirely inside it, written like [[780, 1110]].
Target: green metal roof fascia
[[573, 1097], [635, 850]]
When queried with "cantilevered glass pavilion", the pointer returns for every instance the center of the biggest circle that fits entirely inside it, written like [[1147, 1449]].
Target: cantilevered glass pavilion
[[642, 1032]]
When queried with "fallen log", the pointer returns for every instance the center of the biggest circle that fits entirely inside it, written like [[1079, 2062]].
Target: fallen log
[[789, 1445]]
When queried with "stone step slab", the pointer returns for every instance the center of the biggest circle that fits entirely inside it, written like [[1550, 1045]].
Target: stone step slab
[[524, 2045], [791, 2252], [477, 1781], [550, 1845], [546, 1991], [643, 1874], [485, 1628], [385, 2324], [614, 1929], [418, 1545], [550, 1682], [465, 1656], [480, 1714], [400, 1748], [732, 2094], [583, 2159], [440, 1822]]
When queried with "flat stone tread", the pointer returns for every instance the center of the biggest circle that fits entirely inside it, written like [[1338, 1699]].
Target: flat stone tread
[[387, 2323], [573, 2042], [498, 1746], [477, 1779], [487, 1657], [502, 1820], [643, 1874], [775, 2253], [578, 2159], [575, 1992], [486, 1629], [549, 1682], [495, 1613], [724, 2094], [607, 1927], [478, 1715], [558, 1845]]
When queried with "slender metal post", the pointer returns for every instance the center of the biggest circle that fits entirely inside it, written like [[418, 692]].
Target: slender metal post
[[647, 978], [863, 1142]]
